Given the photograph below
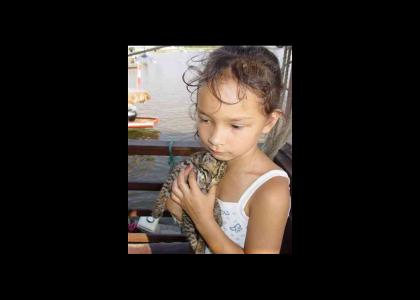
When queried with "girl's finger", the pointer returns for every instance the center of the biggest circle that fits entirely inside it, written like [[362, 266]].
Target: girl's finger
[[175, 199], [187, 171], [182, 183], [180, 178], [175, 189], [192, 181]]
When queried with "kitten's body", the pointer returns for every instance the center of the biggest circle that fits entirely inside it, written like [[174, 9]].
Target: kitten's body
[[209, 172]]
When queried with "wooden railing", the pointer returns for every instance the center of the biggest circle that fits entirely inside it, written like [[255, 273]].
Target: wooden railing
[[161, 148]]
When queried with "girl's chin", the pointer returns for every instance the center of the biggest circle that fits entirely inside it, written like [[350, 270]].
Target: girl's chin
[[220, 156]]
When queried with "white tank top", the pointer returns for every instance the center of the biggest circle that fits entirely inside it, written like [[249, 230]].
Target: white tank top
[[235, 221]]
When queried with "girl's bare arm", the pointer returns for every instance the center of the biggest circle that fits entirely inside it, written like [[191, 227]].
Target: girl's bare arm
[[268, 213]]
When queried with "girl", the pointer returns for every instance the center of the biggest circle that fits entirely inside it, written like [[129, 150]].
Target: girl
[[237, 101]]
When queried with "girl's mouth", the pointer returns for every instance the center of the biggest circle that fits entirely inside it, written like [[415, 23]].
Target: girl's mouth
[[215, 152]]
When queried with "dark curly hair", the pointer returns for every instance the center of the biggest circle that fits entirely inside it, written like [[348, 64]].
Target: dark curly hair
[[253, 67]]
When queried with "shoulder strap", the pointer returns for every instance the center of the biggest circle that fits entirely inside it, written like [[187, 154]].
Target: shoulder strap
[[257, 183]]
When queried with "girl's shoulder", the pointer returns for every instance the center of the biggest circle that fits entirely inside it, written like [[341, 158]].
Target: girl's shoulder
[[276, 185], [272, 193], [272, 196]]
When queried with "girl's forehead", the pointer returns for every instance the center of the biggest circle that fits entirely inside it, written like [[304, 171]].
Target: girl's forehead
[[242, 103]]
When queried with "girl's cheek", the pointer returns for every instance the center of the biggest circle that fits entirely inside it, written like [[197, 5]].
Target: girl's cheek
[[203, 129], [202, 133]]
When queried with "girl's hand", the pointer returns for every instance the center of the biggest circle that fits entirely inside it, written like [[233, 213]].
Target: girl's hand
[[197, 205]]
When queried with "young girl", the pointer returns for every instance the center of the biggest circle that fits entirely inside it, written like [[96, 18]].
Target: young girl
[[237, 97]]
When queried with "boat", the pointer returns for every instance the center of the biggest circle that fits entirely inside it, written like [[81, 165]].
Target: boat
[[143, 122]]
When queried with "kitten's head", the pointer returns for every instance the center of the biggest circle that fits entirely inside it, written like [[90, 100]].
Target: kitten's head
[[214, 169]]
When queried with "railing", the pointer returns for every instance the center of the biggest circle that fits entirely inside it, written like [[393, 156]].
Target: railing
[[136, 241], [146, 50]]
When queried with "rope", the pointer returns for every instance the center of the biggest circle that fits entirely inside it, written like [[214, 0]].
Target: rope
[[171, 160]]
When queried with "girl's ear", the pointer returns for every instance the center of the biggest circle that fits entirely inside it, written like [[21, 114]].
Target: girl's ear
[[272, 120]]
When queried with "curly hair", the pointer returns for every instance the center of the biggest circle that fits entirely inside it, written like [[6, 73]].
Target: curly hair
[[253, 67]]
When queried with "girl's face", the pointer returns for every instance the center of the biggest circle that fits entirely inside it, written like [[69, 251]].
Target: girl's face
[[231, 130]]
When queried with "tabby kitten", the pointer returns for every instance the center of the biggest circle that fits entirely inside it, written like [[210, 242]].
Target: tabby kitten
[[209, 172]]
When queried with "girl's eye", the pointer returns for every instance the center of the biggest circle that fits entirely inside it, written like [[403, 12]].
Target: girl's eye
[[203, 120], [236, 126]]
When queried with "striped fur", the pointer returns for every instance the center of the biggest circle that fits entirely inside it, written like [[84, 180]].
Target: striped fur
[[209, 172]]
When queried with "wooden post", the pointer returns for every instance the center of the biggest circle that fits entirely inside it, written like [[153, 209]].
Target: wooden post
[[289, 96]]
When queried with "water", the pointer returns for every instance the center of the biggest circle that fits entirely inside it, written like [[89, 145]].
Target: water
[[171, 103]]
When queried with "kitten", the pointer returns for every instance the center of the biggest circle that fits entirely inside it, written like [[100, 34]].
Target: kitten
[[209, 172]]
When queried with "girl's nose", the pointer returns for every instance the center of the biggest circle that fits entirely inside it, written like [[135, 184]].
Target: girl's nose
[[216, 139]]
